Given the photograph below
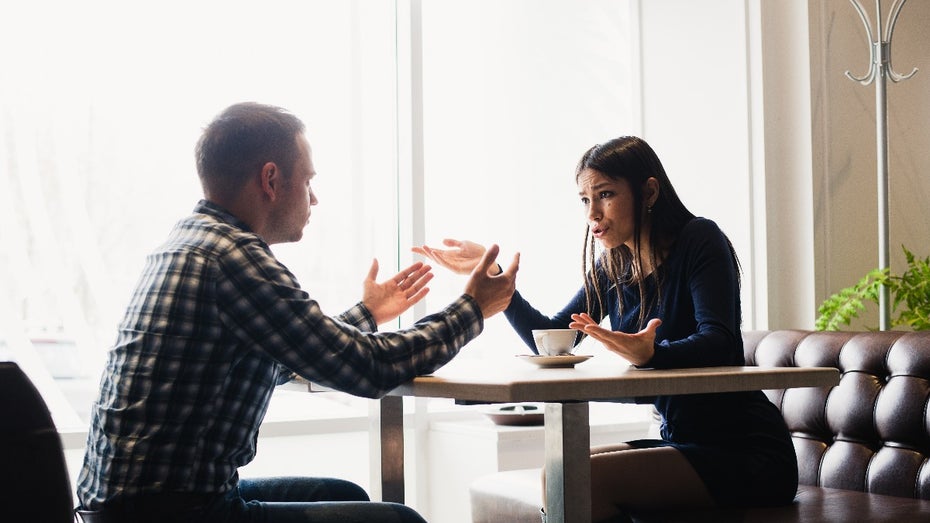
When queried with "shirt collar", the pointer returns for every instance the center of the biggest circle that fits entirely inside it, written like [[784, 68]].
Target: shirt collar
[[212, 209]]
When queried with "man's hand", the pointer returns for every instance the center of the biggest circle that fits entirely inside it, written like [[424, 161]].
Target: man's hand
[[636, 348], [389, 299], [461, 258], [493, 293]]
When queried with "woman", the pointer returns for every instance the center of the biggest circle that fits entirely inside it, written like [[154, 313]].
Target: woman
[[669, 283]]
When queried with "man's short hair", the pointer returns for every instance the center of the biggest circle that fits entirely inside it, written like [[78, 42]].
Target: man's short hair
[[240, 140]]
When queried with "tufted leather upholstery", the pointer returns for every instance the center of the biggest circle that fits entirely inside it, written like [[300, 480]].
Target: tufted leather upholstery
[[871, 432], [863, 446]]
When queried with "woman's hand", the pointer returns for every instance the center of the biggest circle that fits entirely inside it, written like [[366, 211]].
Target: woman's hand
[[461, 258], [637, 348], [389, 299]]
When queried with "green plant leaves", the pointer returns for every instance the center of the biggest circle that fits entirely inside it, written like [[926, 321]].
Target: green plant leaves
[[910, 292], [913, 291], [840, 308]]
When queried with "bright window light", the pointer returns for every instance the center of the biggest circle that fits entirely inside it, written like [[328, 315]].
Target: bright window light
[[101, 103]]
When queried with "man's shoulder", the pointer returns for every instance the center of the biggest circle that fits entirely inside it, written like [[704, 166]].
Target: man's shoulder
[[210, 235]]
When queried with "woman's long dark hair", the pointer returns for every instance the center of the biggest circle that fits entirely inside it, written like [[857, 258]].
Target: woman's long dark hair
[[632, 159]]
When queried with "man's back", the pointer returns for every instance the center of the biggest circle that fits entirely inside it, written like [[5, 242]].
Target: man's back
[[168, 416]]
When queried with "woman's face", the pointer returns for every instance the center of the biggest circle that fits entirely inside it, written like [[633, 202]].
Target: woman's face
[[608, 208]]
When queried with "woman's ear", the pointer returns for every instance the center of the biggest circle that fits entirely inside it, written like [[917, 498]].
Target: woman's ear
[[651, 191]]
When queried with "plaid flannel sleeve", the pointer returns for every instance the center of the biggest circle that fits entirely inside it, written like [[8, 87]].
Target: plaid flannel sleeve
[[265, 308]]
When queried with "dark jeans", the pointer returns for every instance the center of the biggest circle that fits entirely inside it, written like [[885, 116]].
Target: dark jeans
[[272, 500]]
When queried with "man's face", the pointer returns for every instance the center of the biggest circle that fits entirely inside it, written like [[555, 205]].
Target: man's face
[[292, 211]]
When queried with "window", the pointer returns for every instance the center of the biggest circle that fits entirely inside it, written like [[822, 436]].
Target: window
[[100, 108], [513, 94], [101, 105]]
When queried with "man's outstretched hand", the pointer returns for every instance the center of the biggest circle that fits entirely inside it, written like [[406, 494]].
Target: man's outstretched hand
[[389, 299], [493, 293]]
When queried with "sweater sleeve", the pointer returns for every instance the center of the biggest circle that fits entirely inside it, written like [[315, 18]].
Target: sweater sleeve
[[524, 318]]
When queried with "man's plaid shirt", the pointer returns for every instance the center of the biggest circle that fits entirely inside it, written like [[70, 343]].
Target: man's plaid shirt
[[214, 324]]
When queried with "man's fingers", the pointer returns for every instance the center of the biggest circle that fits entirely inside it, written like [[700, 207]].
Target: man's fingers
[[418, 296], [488, 258], [373, 271], [414, 271], [418, 282]]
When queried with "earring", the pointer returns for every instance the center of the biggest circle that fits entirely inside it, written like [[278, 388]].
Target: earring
[[649, 210]]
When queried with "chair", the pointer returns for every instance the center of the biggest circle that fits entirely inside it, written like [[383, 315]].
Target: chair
[[34, 481]]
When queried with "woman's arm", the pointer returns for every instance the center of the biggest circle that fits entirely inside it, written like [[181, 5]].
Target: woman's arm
[[702, 322]]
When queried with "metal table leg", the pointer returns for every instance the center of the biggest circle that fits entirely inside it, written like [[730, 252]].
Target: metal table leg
[[568, 463], [386, 433]]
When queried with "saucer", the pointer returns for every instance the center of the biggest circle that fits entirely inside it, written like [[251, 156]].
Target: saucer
[[555, 362]]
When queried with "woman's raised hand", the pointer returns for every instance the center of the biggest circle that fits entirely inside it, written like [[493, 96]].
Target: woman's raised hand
[[461, 257]]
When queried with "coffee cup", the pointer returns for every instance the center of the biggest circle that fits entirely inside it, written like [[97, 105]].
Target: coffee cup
[[555, 342]]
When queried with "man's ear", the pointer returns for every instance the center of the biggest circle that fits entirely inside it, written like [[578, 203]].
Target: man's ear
[[271, 180], [651, 191]]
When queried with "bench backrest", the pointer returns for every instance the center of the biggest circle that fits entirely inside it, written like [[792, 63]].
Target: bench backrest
[[871, 432]]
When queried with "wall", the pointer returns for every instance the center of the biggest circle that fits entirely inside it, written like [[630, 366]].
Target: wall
[[844, 132], [746, 103], [724, 117]]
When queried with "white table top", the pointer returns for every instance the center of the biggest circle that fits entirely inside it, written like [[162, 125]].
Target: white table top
[[600, 378]]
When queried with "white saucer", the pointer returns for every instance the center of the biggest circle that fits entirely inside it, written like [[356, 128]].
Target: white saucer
[[555, 362]]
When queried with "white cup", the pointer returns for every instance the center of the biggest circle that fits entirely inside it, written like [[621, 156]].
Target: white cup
[[554, 342]]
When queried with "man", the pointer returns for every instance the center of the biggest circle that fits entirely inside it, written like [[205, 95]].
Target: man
[[216, 322]]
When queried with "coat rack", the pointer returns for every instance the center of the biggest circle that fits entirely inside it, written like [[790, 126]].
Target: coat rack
[[880, 71]]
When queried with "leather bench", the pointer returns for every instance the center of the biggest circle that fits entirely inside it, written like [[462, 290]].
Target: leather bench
[[863, 446]]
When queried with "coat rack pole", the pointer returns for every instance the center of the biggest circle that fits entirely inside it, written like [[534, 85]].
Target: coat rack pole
[[880, 71]]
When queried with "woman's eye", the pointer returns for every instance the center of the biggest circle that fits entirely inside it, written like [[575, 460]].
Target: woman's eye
[[605, 194], [585, 201]]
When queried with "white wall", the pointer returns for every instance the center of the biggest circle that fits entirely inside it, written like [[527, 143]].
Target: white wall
[[697, 114]]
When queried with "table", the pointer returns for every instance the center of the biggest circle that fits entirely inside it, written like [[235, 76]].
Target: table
[[566, 393]]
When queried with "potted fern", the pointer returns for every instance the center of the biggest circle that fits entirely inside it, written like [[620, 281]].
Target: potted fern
[[910, 293]]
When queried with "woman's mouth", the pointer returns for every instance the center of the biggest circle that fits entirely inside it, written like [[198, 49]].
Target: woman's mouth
[[598, 231]]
